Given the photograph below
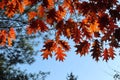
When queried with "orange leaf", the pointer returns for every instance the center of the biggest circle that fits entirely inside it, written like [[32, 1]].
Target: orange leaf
[[31, 15], [2, 4], [94, 27], [26, 2], [68, 33], [48, 3], [21, 7], [40, 11], [60, 54], [9, 41], [12, 33], [3, 35], [48, 49], [66, 3], [11, 36], [51, 3], [60, 13], [46, 53]]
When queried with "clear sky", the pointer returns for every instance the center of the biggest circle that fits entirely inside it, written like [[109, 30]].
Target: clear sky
[[84, 67]]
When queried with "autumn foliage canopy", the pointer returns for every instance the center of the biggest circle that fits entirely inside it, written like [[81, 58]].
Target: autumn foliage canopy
[[91, 24]]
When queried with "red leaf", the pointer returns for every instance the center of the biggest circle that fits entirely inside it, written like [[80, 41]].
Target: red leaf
[[106, 54], [111, 53]]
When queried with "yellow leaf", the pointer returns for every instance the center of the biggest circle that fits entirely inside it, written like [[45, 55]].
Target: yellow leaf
[[94, 27]]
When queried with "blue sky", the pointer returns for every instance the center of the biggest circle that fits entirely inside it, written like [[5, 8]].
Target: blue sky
[[84, 67]]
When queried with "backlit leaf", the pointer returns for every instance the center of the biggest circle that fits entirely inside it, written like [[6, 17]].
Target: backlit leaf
[[82, 48], [111, 53], [40, 11], [96, 50], [31, 15], [60, 55], [105, 54]]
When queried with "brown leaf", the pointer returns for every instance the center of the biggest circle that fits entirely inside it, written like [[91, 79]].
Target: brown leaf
[[96, 50], [64, 45], [35, 26], [83, 48]]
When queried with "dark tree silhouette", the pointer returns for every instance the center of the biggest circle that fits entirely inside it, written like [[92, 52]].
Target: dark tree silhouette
[[71, 77], [9, 72]]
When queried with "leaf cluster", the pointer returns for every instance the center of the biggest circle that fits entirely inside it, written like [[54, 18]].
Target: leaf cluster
[[91, 23]]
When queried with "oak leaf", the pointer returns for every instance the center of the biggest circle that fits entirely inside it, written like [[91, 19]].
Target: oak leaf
[[12, 33], [64, 45], [46, 53], [40, 11], [11, 36], [83, 48], [105, 54], [3, 37], [60, 55], [35, 26], [31, 15], [111, 53], [96, 50], [48, 3], [20, 7], [48, 49], [94, 27]]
